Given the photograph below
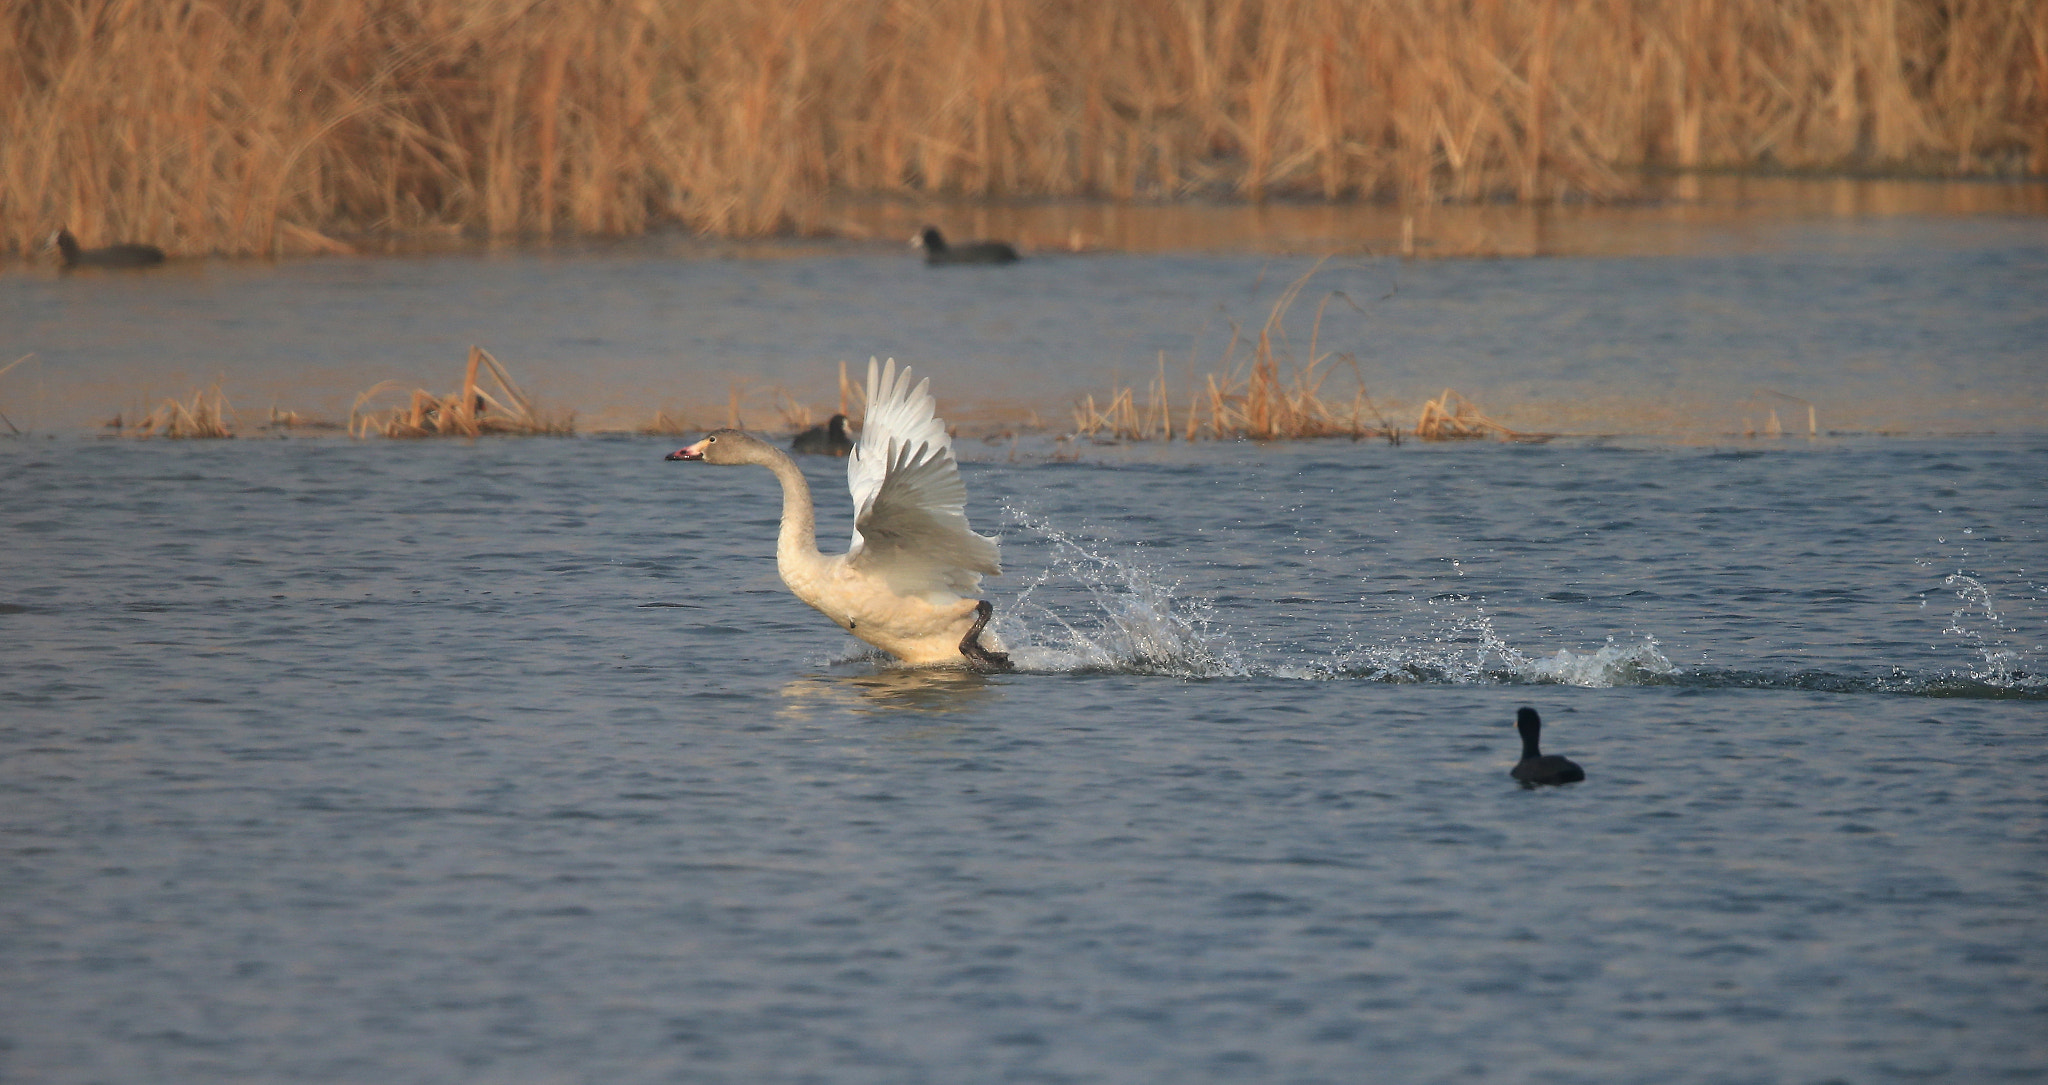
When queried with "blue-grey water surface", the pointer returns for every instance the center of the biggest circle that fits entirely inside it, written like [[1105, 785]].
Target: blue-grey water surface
[[1890, 325], [512, 761]]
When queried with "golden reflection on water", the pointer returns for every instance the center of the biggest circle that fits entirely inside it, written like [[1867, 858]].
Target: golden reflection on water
[[1680, 214], [631, 336], [897, 689]]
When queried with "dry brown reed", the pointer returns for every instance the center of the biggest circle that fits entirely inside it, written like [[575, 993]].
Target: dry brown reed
[[282, 421], [471, 411], [1452, 417], [12, 429], [663, 424], [1261, 394], [205, 417], [265, 125], [795, 415], [1772, 427]]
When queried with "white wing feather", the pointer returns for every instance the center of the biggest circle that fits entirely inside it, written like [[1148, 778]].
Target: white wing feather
[[909, 505]]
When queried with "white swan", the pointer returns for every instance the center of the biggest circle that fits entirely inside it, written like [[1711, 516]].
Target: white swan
[[905, 585]]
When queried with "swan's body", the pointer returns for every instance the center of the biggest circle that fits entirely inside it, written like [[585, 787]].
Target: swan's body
[[829, 439], [936, 251], [124, 255], [1537, 767], [906, 584]]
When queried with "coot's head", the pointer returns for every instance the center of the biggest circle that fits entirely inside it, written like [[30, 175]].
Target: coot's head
[[65, 244]]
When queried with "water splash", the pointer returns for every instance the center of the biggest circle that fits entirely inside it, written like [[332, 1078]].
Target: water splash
[[2002, 665], [1467, 649], [1134, 623], [1090, 612]]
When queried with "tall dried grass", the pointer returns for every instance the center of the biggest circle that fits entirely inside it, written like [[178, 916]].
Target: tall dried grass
[[1452, 417], [471, 411], [259, 125], [1261, 393], [205, 417]]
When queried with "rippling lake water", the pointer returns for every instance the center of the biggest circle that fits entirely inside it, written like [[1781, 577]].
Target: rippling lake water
[[512, 761]]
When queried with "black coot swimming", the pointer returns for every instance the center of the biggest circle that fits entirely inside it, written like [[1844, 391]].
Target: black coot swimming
[[125, 255], [936, 251], [829, 439], [1537, 767]]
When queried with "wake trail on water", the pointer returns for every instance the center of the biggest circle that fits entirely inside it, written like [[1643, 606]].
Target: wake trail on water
[[1137, 623], [1092, 612]]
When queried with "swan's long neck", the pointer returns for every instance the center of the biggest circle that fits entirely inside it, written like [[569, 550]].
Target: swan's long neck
[[796, 548]]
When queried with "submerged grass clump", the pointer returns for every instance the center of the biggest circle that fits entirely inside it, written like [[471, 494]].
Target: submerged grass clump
[[471, 411], [1452, 417], [1265, 394], [202, 418], [1261, 394]]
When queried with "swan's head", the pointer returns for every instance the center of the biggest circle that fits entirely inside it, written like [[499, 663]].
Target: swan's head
[[725, 446]]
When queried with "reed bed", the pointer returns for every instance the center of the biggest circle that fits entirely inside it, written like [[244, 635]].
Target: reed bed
[[473, 410], [256, 126], [206, 417]]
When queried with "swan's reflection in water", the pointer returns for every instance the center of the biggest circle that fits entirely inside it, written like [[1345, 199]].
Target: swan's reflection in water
[[897, 689]]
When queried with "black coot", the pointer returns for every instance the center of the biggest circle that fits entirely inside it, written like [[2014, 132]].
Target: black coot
[[1537, 767], [829, 439], [936, 251], [125, 255]]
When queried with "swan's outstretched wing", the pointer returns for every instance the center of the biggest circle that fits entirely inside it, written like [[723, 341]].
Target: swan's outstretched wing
[[909, 505]]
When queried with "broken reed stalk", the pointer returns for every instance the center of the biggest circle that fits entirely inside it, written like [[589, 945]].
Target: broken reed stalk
[[201, 419], [1772, 427], [12, 429], [1452, 417], [796, 415], [472, 411], [250, 126], [663, 424]]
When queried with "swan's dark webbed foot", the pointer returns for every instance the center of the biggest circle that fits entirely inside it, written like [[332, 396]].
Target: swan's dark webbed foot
[[979, 658]]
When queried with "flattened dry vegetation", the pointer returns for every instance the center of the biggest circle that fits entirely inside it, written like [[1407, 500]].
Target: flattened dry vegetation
[[206, 416], [1262, 392], [473, 410]]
